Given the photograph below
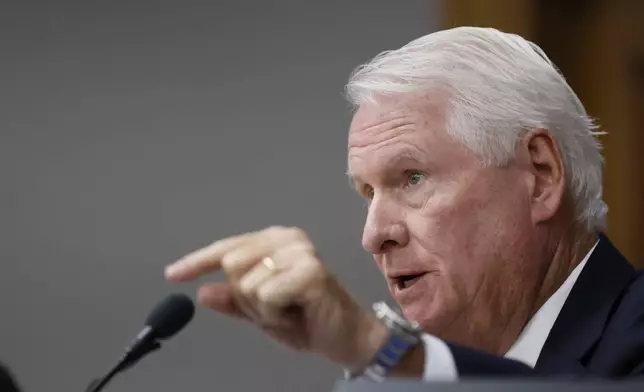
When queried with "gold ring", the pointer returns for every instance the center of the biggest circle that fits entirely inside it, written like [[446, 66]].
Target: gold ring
[[269, 263]]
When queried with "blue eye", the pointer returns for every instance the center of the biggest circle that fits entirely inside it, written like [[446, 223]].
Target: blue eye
[[414, 177]]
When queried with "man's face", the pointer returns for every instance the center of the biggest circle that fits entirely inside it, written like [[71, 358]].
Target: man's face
[[452, 237]]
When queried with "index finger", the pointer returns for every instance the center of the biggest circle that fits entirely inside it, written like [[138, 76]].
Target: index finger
[[204, 260]]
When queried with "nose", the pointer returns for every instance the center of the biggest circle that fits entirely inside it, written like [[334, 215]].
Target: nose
[[384, 228]]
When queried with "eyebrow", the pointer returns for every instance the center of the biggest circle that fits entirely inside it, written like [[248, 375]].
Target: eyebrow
[[408, 154]]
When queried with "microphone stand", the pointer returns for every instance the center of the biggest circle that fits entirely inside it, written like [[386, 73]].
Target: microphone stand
[[125, 363]]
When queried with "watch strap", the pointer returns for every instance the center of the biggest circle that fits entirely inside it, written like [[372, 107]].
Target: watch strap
[[402, 337]]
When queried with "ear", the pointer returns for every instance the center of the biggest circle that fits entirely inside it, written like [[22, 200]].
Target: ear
[[547, 168]]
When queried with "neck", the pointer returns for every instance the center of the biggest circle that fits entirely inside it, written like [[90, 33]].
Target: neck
[[569, 251]]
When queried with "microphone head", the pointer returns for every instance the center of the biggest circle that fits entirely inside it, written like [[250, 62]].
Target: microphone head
[[170, 316]]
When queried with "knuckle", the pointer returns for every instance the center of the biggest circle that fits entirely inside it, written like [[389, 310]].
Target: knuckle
[[228, 262], [245, 288], [315, 268], [264, 295], [314, 271], [274, 233], [299, 249], [286, 233], [296, 233], [276, 229]]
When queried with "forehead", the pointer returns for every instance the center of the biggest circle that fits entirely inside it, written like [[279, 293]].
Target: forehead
[[396, 130], [389, 112]]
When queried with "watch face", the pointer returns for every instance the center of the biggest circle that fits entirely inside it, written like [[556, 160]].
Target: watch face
[[387, 312], [384, 307], [383, 311]]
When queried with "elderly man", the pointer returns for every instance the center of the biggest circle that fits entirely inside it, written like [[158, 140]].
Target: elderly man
[[483, 178]]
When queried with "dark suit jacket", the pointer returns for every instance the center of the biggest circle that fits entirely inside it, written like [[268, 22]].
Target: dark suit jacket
[[598, 333]]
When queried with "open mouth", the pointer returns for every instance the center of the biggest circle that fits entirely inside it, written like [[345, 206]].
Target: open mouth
[[406, 281]]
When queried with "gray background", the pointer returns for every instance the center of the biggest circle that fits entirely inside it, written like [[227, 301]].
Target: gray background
[[134, 132]]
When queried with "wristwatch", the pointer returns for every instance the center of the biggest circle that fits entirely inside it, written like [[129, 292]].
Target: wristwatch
[[403, 336]]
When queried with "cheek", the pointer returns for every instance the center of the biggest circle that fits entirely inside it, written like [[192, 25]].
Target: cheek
[[446, 227], [466, 229]]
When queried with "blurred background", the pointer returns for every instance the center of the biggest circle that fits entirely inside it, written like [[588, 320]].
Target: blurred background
[[134, 132]]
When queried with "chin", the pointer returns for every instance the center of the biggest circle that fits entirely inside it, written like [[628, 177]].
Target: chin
[[433, 316], [425, 314]]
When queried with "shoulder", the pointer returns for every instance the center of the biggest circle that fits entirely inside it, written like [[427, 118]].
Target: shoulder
[[621, 346], [631, 304]]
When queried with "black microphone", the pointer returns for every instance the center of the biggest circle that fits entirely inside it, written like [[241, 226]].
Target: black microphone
[[165, 320]]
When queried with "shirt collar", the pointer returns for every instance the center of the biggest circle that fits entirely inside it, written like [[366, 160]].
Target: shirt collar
[[528, 345]]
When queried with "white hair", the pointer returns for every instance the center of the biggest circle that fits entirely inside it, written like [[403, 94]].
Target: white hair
[[499, 86]]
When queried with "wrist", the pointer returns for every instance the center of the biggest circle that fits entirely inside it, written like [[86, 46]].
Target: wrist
[[387, 345], [412, 365], [371, 336]]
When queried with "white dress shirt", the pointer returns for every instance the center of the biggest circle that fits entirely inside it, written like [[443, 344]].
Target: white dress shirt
[[439, 361]]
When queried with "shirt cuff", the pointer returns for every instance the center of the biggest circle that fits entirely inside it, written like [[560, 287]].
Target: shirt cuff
[[439, 361]]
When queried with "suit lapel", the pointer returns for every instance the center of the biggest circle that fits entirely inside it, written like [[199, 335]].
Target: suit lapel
[[587, 309]]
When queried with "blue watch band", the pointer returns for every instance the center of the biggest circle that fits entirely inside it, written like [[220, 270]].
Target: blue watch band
[[403, 336], [394, 349]]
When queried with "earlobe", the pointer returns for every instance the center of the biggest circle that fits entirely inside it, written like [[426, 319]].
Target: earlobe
[[546, 164]]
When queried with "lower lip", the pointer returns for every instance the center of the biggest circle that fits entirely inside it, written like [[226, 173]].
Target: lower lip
[[411, 291]]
